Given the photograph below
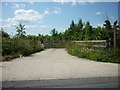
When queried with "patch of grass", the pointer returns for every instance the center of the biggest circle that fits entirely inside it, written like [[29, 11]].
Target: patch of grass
[[13, 48], [92, 53], [98, 56]]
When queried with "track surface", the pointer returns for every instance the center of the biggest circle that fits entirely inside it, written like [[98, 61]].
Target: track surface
[[55, 64]]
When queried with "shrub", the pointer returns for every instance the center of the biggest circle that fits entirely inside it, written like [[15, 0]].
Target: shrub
[[13, 48]]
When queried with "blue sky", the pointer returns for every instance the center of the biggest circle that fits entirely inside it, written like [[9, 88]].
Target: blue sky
[[42, 17]]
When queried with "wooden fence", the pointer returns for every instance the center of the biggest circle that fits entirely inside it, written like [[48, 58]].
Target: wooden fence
[[95, 43]]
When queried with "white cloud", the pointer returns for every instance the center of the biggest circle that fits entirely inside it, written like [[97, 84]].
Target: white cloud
[[16, 5], [75, 2], [57, 10], [37, 26], [98, 13], [63, 1], [83, 2], [3, 20], [61, 29], [30, 26], [22, 15], [44, 26], [25, 16], [46, 12], [100, 25], [6, 26], [31, 2], [26, 26], [59, 1]]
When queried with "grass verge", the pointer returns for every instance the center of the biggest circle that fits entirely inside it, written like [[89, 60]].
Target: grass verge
[[89, 52]]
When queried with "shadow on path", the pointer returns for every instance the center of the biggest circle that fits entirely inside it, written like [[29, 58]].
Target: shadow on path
[[64, 83]]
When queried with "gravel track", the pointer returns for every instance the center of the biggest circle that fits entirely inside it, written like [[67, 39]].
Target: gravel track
[[55, 64]]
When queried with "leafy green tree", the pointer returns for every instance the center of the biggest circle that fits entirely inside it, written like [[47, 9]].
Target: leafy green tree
[[60, 36], [107, 25], [67, 35], [47, 37], [71, 30], [80, 24], [115, 26], [4, 34], [40, 37], [72, 25], [98, 33], [80, 29], [20, 30], [54, 34], [88, 31]]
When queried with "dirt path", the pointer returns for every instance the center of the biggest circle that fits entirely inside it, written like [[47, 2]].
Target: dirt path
[[55, 64]]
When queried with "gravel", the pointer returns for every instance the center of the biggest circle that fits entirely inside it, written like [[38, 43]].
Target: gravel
[[55, 64]]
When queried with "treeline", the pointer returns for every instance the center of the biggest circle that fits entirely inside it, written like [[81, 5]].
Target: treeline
[[81, 31], [22, 44], [78, 31]]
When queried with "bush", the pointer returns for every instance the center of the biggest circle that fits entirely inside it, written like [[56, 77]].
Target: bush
[[98, 56], [13, 48]]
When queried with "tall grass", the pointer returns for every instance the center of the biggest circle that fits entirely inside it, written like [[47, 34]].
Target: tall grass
[[12, 48], [92, 53]]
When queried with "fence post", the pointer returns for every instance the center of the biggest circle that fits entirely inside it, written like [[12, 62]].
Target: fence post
[[109, 44], [114, 40]]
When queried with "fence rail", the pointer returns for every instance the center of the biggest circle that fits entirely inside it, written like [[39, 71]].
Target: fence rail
[[92, 41]]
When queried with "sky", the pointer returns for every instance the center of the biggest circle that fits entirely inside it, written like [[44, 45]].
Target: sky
[[42, 17]]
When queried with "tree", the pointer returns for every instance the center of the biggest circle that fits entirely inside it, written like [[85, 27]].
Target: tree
[[54, 34], [60, 36], [4, 34], [20, 30], [40, 37], [88, 31], [98, 34], [67, 35], [72, 25], [115, 26], [80, 29], [80, 24], [107, 24]]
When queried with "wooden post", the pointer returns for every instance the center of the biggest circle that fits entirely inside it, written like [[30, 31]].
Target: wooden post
[[109, 43], [114, 40]]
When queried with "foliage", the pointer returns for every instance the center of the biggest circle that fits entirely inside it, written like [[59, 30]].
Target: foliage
[[22, 44], [55, 44], [17, 47], [4, 34], [91, 53], [20, 30]]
